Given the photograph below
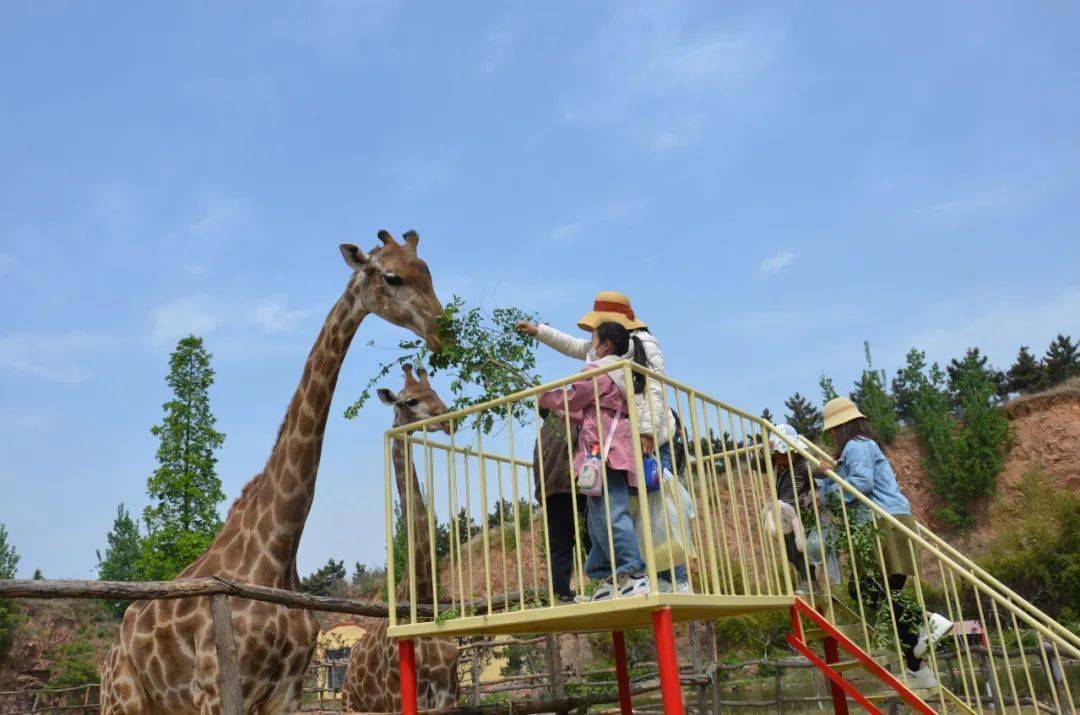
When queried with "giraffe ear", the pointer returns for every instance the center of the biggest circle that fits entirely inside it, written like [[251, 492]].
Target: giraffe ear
[[387, 397], [354, 257]]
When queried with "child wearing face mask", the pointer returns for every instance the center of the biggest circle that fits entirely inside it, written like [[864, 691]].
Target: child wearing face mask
[[609, 434]]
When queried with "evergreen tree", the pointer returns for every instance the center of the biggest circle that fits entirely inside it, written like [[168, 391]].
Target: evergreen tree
[[874, 402], [1027, 374], [936, 429], [325, 581], [368, 581], [185, 490], [974, 362], [1062, 360], [121, 559], [767, 415], [828, 392], [909, 380], [38, 576], [9, 613], [983, 438], [803, 416]]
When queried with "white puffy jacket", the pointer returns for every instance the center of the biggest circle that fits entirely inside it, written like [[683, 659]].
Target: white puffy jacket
[[581, 348]]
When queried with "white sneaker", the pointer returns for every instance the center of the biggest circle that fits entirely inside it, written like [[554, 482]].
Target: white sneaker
[[635, 586], [664, 586], [603, 592], [921, 679], [939, 628], [683, 587]]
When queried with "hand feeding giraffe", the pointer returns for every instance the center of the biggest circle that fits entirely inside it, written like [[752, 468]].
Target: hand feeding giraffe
[[164, 659], [372, 679]]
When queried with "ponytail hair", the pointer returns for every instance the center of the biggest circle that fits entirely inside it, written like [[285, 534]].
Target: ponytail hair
[[641, 359], [621, 342]]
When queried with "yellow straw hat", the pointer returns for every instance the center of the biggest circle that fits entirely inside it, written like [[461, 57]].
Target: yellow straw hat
[[610, 307], [840, 410]]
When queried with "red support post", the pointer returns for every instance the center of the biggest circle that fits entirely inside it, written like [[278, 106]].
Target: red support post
[[622, 673], [407, 670], [839, 698], [668, 660]]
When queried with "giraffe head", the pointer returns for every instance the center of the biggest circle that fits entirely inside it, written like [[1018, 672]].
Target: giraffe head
[[417, 401], [394, 284]]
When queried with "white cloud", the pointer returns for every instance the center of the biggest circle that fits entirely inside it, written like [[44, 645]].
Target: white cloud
[[998, 324], [24, 419], [977, 203], [775, 263], [274, 316], [610, 211], [53, 357], [659, 77], [498, 44], [176, 319], [218, 217], [334, 27]]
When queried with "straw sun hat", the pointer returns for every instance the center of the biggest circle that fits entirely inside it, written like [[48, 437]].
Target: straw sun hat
[[610, 307], [840, 410]]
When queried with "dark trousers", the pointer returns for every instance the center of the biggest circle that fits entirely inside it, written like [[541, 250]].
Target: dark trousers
[[561, 527], [908, 620], [796, 558]]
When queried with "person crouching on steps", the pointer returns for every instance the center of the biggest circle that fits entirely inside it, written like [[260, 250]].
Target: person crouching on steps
[[862, 464], [610, 436]]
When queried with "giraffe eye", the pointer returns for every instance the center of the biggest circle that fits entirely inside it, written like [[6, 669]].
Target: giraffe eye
[[393, 279], [412, 403]]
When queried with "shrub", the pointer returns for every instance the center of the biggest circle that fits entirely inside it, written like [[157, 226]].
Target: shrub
[[1037, 547], [73, 664]]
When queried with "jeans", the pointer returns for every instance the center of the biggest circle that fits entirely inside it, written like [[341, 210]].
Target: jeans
[[627, 558]]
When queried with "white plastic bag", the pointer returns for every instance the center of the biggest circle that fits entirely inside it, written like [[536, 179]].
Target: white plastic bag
[[681, 546]]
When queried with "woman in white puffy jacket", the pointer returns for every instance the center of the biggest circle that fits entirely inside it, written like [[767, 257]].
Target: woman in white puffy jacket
[[655, 423]]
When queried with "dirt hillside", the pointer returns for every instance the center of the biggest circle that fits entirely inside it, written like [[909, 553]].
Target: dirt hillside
[[1045, 432]]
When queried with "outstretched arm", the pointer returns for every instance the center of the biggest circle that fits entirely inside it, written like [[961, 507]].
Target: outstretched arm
[[566, 344]]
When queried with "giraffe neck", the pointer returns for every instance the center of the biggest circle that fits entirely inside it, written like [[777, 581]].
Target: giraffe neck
[[406, 478], [274, 506]]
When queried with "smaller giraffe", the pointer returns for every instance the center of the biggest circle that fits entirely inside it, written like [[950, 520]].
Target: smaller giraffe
[[372, 681]]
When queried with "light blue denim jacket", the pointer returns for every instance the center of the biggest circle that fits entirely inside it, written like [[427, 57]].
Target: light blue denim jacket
[[864, 466]]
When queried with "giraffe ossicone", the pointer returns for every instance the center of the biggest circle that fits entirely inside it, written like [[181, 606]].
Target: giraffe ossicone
[[164, 660]]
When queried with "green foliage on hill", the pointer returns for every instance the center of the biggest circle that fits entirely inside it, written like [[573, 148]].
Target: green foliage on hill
[[9, 610], [1037, 547]]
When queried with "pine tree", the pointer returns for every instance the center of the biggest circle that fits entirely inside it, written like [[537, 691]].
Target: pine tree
[[874, 402], [121, 559], [828, 392], [185, 489], [803, 416], [1027, 374], [9, 613], [1062, 360], [766, 415], [936, 428], [326, 580], [38, 576], [909, 380], [972, 362]]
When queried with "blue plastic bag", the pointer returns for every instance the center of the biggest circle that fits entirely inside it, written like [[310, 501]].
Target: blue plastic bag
[[652, 473]]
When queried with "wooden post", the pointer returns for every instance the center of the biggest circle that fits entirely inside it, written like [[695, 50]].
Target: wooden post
[[476, 672], [715, 671], [555, 665], [228, 672], [779, 688]]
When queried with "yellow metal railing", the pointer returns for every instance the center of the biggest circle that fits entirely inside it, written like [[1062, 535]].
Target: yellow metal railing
[[719, 515]]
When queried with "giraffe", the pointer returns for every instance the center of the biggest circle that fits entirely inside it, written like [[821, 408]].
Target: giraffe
[[372, 681], [163, 660]]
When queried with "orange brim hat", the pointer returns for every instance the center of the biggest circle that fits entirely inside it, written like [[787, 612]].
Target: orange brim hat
[[610, 307]]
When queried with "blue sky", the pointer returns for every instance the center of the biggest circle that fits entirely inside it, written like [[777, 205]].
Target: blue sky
[[772, 183]]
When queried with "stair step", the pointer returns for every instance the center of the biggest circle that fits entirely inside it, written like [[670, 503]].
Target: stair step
[[853, 631]]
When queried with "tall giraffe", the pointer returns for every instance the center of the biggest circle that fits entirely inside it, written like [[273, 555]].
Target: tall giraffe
[[164, 659], [372, 680]]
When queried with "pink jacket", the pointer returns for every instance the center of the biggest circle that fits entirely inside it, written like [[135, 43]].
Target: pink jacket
[[581, 406]]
